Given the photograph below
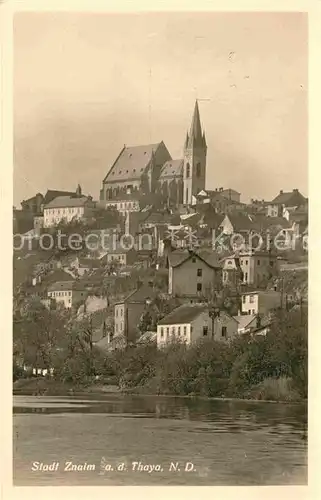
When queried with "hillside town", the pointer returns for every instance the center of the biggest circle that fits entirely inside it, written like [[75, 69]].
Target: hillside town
[[159, 258]]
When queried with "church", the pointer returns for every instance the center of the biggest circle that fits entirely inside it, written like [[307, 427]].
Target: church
[[142, 170]]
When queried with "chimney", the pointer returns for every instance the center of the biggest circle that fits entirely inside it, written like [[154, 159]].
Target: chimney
[[281, 191], [258, 321], [138, 283], [295, 190]]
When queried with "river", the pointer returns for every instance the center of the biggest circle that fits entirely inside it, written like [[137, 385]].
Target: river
[[145, 440]]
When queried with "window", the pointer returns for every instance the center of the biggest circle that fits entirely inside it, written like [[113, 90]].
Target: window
[[179, 331], [185, 330], [121, 326], [116, 327], [173, 330], [258, 262], [253, 311], [188, 171], [199, 287], [186, 200], [251, 299], [205, 330], [249, 311], [121, 312], [162, 332], [245, 277], [199, 272], [198, 170], [194, 259], [224, 331], [246, 262], [244, 299]]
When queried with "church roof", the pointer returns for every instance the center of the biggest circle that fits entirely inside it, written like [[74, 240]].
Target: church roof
[[132, 162], [172, 168]]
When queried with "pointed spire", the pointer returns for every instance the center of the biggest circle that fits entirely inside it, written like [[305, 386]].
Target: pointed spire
[[78, 190], [195, 136], [196, 129], [186, 141], [204, 140]]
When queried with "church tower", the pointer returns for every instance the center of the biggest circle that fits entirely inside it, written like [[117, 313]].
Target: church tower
[[195, 149]]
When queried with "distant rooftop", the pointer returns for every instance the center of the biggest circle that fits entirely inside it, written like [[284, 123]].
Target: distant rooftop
[[183, 314], [67, 201]]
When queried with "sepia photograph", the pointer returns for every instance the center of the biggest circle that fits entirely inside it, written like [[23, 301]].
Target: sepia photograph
[[160, 248]]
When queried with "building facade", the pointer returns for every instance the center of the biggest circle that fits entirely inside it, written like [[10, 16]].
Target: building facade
[[66, 209], [127, 313], [256, 267], [260, 302], [189, 323], [67, 293], [193, 273]]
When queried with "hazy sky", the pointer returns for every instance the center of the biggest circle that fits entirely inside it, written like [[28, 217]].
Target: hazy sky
[[86, 84]]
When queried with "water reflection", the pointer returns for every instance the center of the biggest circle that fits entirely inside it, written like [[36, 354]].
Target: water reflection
[[236, 415], [231, 442]]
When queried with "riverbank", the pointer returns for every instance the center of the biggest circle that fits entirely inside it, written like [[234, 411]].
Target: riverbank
[[49, 387]]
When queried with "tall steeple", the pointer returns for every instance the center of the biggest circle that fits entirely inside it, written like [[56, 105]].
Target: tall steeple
[[186, 141], [195, 135], [195, 149]]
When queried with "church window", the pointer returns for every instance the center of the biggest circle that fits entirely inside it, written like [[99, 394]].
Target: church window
[[188, 170], [198, 170]]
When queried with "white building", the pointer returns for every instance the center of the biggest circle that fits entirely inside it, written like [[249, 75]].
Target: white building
[[124, 203], [191, 322], [68, 293], [256, 267], [260, 302], [67, 208]]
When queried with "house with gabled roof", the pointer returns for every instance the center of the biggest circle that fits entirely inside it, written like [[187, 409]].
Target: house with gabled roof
[[67, 208], [193, 273], [69, 293], [189, 323], [285, 199], [128, 311]]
